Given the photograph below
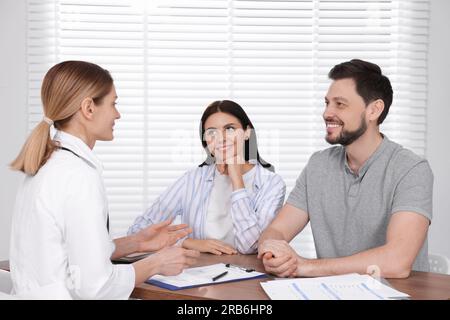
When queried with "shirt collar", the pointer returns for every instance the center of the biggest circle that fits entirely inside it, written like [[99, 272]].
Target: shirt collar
[[256, 182], [372, 158], [79, 147]]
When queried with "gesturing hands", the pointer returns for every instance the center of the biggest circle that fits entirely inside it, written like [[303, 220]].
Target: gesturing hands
[[173, 260], [279, 258], [160, 235], [212, 246]]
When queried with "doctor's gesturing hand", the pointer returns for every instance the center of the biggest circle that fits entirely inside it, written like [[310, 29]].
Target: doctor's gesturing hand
[[152, 238], [160, 235], [168, 262]]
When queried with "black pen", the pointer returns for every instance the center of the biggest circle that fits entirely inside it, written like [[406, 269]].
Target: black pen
[[219, 276], [229, 265]]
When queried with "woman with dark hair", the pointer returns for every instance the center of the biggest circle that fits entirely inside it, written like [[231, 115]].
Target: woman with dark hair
[[231, 197]]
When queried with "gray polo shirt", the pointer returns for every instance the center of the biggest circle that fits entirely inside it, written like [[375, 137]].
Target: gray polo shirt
[[350, 213]]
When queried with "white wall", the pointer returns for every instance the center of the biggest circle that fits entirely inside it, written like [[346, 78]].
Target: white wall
[[13, 119], [438, 143], [13, 107]]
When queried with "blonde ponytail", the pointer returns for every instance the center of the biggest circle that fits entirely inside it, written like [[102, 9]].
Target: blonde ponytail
[[36, 150], [64, 87]]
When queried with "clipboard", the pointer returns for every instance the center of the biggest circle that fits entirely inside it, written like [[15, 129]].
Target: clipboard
[[202, 276]]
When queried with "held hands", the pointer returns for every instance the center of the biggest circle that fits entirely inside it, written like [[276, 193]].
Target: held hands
[[212, 246], [160, 235], [279, 258]]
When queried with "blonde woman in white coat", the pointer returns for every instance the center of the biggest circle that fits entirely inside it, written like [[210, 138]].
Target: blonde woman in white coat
[[60, 244]]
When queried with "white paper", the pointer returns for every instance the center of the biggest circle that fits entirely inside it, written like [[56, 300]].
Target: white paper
[[344, 287], [204, 275]]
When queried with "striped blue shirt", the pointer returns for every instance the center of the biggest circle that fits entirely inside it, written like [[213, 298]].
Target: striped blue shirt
[[251, 212]]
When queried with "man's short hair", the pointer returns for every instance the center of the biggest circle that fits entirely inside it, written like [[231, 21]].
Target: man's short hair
[[371, 84]]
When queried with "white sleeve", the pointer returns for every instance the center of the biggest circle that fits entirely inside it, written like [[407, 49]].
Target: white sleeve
[[251, 219], [92, 274]]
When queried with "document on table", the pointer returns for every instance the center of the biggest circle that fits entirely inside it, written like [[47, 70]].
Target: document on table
[[344, 287], [199, 276]]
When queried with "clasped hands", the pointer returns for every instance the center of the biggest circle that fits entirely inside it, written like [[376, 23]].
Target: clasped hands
[[280, 259]]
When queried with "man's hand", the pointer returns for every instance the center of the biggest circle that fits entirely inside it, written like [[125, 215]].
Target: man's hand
[[278, 258], [212, 246], [276, 248], [160, 235]]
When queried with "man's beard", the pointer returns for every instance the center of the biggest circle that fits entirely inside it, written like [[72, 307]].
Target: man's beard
[[348, 137]]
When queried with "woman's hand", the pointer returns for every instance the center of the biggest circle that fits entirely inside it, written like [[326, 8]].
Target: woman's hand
[[235, 173], [160, 235], [212, 246], [233, 167]]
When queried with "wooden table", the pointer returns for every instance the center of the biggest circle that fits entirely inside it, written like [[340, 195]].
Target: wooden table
[[419, 285]]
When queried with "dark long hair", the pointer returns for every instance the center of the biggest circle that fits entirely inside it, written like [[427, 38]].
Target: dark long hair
[[234, 109]]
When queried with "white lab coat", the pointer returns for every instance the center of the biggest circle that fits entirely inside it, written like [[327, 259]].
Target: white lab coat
[[60, 246]]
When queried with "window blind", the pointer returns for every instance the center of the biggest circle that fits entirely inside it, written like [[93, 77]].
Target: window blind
[[171, 58]]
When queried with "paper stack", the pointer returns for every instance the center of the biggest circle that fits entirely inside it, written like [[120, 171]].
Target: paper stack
[[344, 287]]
